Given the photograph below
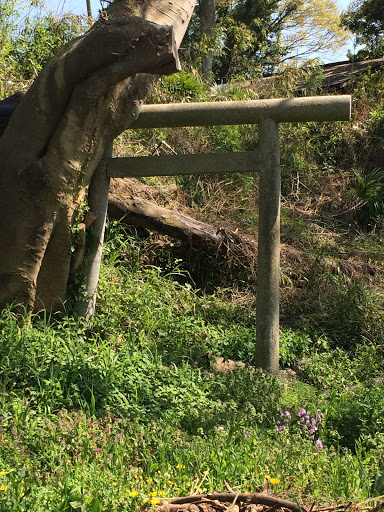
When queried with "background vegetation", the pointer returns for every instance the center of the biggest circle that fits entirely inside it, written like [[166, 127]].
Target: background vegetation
[[132, 410]]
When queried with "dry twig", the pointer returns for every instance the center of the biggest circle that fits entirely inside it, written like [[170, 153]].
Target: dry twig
[[243, 500]]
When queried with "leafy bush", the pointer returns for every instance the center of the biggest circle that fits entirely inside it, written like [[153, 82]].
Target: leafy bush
[[295, 345], [324, 369], [369, 189], [357, 416], [181, 86], [344, 310], [377, 121], [40, 39]]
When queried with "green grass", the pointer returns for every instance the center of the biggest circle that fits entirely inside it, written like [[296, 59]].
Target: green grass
[[111, 417]]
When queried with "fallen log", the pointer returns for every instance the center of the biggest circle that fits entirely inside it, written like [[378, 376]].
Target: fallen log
[[142, 213], [139, 212]]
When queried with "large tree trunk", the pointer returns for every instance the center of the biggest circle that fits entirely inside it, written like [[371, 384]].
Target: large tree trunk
[[87, 94]]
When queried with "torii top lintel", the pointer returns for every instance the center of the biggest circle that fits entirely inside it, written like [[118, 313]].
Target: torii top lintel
[[286, 110]]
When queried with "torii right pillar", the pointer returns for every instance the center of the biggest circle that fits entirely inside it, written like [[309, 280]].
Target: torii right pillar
[[268, 254]]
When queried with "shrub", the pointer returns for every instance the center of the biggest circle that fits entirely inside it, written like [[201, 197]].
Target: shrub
[[40, 39], [357, 415], [369, 188]]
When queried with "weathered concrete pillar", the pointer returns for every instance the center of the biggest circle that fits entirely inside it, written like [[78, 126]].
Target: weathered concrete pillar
[[98, 204], [268, 262]]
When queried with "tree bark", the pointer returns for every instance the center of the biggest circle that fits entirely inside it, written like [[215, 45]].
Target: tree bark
[[207, 24], [87, 94]]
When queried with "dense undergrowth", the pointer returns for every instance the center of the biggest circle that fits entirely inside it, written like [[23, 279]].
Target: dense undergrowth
[[131, 410]]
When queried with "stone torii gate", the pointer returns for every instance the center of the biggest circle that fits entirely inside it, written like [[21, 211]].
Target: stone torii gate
[[266, 158]]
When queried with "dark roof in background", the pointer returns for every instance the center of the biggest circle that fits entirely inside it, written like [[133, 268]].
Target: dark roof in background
[[336, 74]]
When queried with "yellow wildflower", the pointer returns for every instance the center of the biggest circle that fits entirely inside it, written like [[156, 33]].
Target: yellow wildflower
[[154, 501], [133, 494], [273, 481], [3, 473], [3, 488]]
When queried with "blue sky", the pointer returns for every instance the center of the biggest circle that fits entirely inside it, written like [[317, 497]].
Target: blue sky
[[74, 6], [80, 7]]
